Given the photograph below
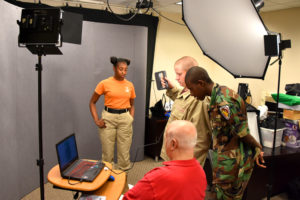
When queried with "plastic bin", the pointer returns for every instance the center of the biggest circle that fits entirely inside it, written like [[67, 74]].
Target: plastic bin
[[268, 136]]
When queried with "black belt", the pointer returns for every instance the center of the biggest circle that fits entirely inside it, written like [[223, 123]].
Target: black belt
[[116, 111]]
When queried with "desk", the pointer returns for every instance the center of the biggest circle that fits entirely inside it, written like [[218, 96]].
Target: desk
[[286, 162], [100, 186], [112, 189], [55, 178]]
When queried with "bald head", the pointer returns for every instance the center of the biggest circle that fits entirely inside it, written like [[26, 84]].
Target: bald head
[[186, 62], [180, 140], [181, 66], [194, 74]]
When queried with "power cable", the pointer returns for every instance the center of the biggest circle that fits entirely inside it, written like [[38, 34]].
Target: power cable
[[136, 12], [149, 6], [118, 16]]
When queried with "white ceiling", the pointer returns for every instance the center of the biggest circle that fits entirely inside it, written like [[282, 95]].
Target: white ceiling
[[159, 5], [170, 6]]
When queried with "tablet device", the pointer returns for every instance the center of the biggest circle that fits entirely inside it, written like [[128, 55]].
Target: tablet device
[[159, 76]]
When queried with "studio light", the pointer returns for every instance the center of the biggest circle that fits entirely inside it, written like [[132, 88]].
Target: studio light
[[40, 28], [41, 33], [233, 35], [274, 45], [48, 28], [229, 32]]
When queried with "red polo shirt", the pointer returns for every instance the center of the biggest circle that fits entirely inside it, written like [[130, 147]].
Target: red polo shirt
[[178, 179]]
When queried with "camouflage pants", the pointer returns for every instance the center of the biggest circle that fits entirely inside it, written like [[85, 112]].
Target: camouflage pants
[[233, 191], [231, 173]]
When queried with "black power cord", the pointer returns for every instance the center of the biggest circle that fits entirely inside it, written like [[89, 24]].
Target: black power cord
[[122, 18], [140, 5]]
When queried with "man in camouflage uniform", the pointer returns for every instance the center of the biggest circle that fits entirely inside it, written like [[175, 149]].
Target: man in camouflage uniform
[[234, 149], [188, 108]]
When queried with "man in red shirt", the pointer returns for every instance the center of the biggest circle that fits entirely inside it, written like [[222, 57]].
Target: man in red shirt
[[182, 177]]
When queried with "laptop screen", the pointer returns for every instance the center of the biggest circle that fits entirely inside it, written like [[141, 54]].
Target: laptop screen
[[66, 152]]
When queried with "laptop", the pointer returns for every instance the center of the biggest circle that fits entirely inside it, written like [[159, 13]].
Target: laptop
[[71, 167]]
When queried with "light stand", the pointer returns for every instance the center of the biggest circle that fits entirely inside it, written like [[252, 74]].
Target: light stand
[[40, 161], [274, 46], [40, 51], [272, 166], [39, 33]]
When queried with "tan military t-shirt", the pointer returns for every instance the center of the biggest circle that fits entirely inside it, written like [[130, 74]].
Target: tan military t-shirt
[[188, 108]]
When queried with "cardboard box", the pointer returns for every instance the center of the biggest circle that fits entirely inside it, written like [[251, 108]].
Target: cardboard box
[[291, 134], [291, 114]]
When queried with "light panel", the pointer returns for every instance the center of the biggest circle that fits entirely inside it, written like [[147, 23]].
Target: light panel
[[229, 32]]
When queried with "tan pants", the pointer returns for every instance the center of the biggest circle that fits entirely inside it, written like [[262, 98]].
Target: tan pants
[[118, 129]]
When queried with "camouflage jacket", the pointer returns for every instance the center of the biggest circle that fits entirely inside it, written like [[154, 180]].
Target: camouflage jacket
[[231, 157]]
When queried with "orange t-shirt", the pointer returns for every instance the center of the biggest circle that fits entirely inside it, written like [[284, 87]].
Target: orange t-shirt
[[117, 94]]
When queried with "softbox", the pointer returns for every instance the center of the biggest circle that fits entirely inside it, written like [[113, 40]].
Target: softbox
[[229, 32]]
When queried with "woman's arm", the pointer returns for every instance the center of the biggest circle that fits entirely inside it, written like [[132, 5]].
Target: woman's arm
[[99, 122], [132, 109]]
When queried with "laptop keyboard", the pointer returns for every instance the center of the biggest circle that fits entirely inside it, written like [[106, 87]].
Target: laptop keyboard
[[93, 171], [81, 169]]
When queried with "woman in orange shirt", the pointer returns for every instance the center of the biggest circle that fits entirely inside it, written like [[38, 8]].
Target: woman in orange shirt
[[115, 125]]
